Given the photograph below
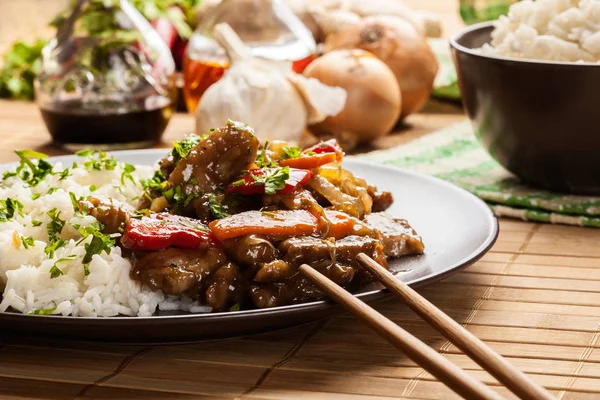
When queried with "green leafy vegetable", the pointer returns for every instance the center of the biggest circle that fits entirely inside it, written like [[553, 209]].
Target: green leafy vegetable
[[275, 179], [100, 243], [27, 242], [35, 223], [43, 311], [64, 174], [8, 209], [154, 183], [29, 171], [291, 152], [55, 272], [55, 225], [126, 175], [182, 148], [21, 65], [216, 208], [52, 247], [97, 161]]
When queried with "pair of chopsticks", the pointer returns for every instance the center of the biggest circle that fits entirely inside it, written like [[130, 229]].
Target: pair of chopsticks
[[436, 364]]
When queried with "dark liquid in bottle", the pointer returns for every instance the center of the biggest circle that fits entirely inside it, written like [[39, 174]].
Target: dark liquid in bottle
[[70, 124]]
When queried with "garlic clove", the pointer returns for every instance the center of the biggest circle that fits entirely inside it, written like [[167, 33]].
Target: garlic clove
[[321, 101]]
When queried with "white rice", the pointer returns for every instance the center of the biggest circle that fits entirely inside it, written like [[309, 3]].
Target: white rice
[[108, 290], [549, 30]]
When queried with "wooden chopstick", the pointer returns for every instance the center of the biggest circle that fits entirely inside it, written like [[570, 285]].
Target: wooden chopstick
[[439, 366], [515, 380]]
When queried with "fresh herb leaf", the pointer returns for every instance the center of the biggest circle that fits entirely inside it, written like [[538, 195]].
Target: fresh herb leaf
[[55, 272], [182, 148], [154, 183], [55, 225], [35, 196], [52, 247], [97, 161], [29, 171], [43, 311], [268, 214], [35, 223], [262, 159], [74, 202], [238, 183], [291, 152], [275, 179], [64, 174], [216, 208], [93, 188], [27, 242], [235, 307], [8, 209], [20, 66], [100, 243], [126, 175]]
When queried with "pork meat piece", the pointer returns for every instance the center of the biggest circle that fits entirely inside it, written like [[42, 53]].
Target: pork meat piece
[[397, 236], [176, 271], [109, 212]]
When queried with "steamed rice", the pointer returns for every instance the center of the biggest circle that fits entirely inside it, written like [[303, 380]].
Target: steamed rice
[[549, 30], [25, 268]]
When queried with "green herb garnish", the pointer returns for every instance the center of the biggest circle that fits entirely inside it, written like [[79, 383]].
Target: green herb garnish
[[216, 208], [43, 311], [126, 175], [27, 242], [291, 152], [35, 223], [275, 179], [30, 172], [182, 148], [8, 209], [97, 161]]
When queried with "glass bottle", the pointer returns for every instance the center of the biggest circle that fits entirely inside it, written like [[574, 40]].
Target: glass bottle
[[107, 79], [473, 11], [269, 29]]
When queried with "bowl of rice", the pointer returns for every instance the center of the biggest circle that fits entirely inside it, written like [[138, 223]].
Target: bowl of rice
[[530, 83]]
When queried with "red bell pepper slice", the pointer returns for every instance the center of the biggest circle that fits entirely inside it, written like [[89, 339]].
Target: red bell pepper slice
[[253, 181], [158, 231]]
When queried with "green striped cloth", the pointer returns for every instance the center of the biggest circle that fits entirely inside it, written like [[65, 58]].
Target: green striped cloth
[[454, 155]]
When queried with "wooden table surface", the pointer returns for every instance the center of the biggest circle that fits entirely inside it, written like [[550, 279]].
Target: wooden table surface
[[535, 298]]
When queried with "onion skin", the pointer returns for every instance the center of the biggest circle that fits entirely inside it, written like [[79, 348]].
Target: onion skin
[[373, 104], [398, 44]]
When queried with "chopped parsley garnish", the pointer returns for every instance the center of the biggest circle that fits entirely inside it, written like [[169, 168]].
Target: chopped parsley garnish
[[29, 171], [238, 182], [262, 159], [291, 152], [274, 179], [27, 242], [55, 272], [100, 243], [64, 174], [35, 223], [310, 153], [35, 196], [216, 208], [55, 225], [98, 161], [126, 175], [268, 214], [52, 247], [75, 201], [93, 188], [235, 307], [154, 183], [178, 200], [8, 209], [43, 311], [52, 190], [182, 148]]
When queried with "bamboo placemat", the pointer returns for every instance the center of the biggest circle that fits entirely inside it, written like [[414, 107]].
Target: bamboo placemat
[[535, 298]]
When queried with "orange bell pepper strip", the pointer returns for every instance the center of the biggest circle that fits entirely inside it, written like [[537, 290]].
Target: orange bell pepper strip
[[279, 224]]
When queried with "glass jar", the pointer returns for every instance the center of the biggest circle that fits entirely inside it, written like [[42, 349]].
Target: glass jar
[[107, 79], [269, 29]]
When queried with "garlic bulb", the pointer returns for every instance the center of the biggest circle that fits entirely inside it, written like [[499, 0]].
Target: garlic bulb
[[264, 94]]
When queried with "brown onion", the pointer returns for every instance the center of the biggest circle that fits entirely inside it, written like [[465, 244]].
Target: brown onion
[[373, 104], [398, 44]]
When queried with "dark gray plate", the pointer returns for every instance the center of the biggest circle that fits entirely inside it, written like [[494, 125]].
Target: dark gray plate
[[457, 228]]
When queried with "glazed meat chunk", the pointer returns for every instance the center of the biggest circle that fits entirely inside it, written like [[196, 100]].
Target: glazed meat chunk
[[397, 236]]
